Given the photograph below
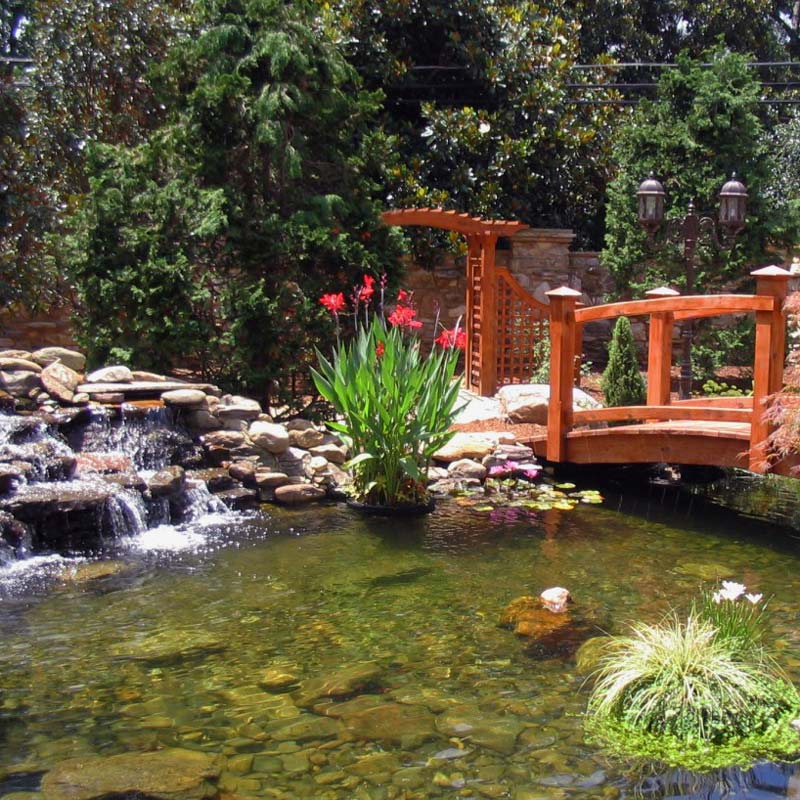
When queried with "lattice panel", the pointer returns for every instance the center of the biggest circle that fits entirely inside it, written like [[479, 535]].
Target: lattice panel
[[522, 324], [476, 323]]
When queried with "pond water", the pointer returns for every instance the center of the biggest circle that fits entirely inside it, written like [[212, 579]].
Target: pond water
[[225, 637]]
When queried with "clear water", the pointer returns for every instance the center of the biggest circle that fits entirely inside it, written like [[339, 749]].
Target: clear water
[[170, 649]]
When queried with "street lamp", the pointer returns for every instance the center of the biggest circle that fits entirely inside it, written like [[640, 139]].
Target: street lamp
[[686, 231]]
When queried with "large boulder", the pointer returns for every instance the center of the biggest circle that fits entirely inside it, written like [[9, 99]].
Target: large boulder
[[13, 362], [472, 445], [69, 358], [184, 398], [297, 494], [233, 407], [269, 436], [527, 402], [20, 383], [60, 381], [171, 774]]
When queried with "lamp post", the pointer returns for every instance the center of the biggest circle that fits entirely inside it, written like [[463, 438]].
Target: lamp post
[[686, 231]]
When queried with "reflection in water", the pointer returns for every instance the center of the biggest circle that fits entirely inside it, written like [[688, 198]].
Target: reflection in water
[[215, 641]]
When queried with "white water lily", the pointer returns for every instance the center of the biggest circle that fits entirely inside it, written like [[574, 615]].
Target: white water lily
[[754, 598], [732, 590]]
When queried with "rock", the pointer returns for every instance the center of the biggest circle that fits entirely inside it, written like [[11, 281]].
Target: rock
[[498, 733], [170, 774], [472, 445], [350, 680], [26, 354], [202, 420], [528, 616], [306, 438], [184, 398], [555, 599], [705, 570], [19, 364], [170, 646], [587, 656], [60, 381], [69, 358], [269, 436], [166, 481], [141, 375], [12, 475], [217, 479], [92, 571], [437, 474], [226, 439], [266, 479], [401, 724], [334, 453], [317, 464], [278, 679], [117, 373], [102, 462], [295, 462], [528, 402], [108, 398], [235, 407], [145, 389], [306, 727], [466, 468], [504, 453], [239, 498], [244, 471], [80, 398], [20, 383], [296, 494]]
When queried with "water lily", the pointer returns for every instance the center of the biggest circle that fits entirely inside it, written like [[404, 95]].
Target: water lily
[[502, 470]]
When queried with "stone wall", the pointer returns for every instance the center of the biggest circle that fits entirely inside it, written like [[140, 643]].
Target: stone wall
[[23, 330]]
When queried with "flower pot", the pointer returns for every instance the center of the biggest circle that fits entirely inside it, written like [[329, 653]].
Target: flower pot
[[396, 510]]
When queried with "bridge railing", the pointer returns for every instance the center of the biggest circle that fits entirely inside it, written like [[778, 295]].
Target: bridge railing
[[664, 307]]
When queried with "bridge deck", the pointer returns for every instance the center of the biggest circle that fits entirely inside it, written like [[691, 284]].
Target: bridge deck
[[725, 444]]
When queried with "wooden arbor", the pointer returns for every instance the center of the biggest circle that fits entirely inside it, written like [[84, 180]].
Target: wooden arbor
[[504, 321]]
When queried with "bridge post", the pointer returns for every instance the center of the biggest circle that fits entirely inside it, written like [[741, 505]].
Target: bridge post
[[659, 353], [768, 358], [487, 382], [562, 366]]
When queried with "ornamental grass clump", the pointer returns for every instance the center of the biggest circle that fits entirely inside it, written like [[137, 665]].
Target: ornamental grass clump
[[700, 694], [394, 404]]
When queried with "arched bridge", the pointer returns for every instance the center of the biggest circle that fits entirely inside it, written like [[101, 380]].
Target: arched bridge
[[721, 431]]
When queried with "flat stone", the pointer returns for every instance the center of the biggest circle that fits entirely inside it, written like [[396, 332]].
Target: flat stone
[[184, 398], [307, 727], [143, 375], [19, 363], [472, 445], [145, 388], [270, 480], [296, 494], [167, 481], [69, 358], [60, 381], [226, 439], [239, 498], [25, 354], [117, 373], [495, 732], [108, 398], [269, 436], [170, 774], [20, 383], [347, 681], [466, 468], [392, 723], [307, 438], [80, 398], [336, 454], [504, 453], [170, 646], [295, 462], [235, 407], [202, 420]]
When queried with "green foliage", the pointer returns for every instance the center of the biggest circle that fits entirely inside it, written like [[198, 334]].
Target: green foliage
[[739, 621], [212, 239], [622, 383], [703, 126], [541, 357], [396, 406], [681, 693], [713, 389], [491, 127]]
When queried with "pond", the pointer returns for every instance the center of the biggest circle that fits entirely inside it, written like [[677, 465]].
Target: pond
[[229, 637]]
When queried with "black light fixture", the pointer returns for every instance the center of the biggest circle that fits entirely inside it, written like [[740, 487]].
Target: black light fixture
[[651, 204], [733, 205]]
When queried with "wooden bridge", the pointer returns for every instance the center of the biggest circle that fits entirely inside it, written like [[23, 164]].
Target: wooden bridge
[[721, 431]]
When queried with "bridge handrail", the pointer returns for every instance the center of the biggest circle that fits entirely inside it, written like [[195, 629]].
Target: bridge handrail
[[651, 413], [664, 307], [683, 307]]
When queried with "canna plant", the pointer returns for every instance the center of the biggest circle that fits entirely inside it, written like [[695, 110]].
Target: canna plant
[[394, 404]]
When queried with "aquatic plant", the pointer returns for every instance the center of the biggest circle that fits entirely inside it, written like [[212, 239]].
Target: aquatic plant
[[691, 694], [394, 405]]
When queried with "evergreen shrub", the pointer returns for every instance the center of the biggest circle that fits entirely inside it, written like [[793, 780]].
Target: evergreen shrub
[[622, 383]]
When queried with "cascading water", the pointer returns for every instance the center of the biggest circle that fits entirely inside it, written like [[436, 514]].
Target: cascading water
[[80, 484]]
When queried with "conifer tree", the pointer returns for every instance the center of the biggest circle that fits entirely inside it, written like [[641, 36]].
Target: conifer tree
[[622, 383]]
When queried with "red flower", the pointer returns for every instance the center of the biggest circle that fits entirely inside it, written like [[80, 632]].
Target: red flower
[[367, 290], [403, 317], [380, 349], [333, 302], [452, 338], [402, 296]]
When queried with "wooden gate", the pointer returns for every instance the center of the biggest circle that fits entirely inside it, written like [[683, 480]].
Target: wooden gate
[[503, 322]]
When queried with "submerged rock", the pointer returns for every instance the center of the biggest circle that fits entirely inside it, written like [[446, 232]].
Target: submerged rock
[[392, 723], [348, 681], [495, 732], [169, 646], [171, 774]]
